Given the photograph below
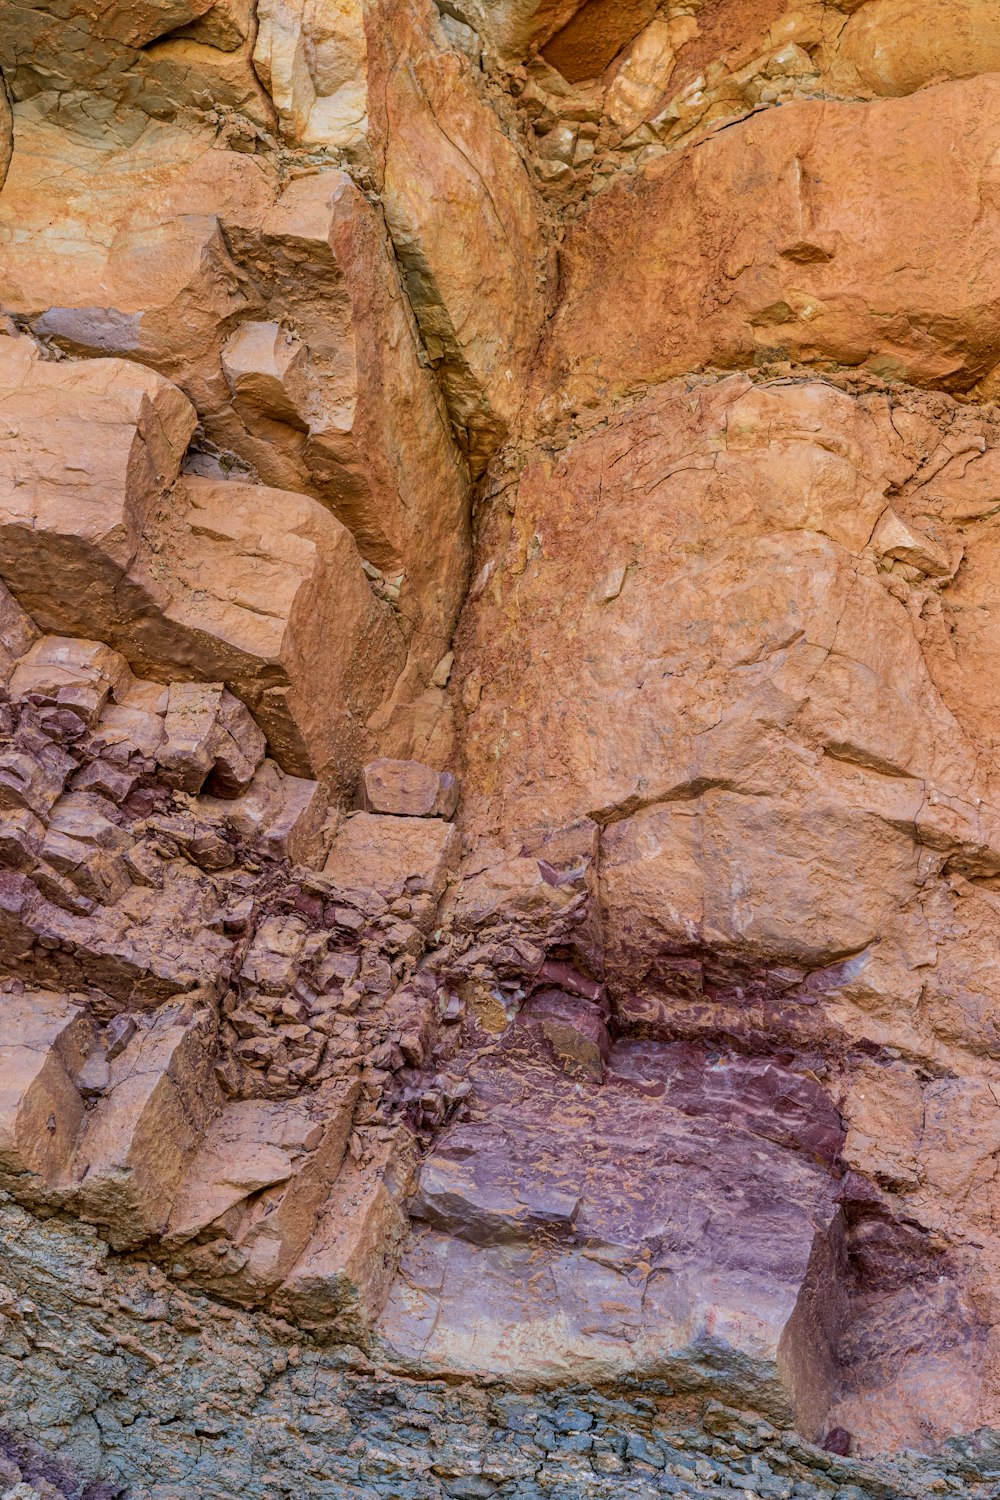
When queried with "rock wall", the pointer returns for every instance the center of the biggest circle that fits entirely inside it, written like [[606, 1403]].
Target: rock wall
[[499, 837]]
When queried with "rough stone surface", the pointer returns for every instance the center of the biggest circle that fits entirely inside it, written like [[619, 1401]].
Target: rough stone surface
[[499, 819], [747, 250]]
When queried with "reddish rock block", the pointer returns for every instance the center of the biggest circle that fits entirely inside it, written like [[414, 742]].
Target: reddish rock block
[[574, 1030], [408, 789]]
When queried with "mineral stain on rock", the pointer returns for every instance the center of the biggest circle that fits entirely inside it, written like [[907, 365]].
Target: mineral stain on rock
[[499, 822]]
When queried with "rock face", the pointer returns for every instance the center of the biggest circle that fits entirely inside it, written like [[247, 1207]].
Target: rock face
[[499, 818]]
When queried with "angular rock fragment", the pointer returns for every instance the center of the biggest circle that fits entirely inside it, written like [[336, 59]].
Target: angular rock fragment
[[342, 1277], [209, 735], [574, 1030], [136, 1143], [361, 417], [260, 589], [895, 541], [76, 674], [284, 815], [260, 1176], [138, 264], [265, 370], [45, 1040], [393, 856], [405, 788], [88, 450], [311, 58]]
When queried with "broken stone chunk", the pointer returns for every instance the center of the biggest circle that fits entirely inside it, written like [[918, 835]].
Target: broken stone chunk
[[393, 856], [896, 539], [290, 1154], [344, 1273], [88, 448], [144, 1129], [44, 1039], [209, 735], [265, 369], [280, 815], [574, 1029], [407, 788], [21, 835], [73, 674]]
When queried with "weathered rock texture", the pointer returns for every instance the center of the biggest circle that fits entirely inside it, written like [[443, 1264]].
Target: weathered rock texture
[[499, 829]]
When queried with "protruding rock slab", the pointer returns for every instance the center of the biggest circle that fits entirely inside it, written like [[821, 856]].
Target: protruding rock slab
[[142, 1133], [834, 215], [394, 856], [406, 788], [463, 219], [136, 263], [264, 590], [44, 1041], [251, 1197], [256, 588], [585, 1237], [209, 733], [342, 1277], [87, 451], [353, 407]]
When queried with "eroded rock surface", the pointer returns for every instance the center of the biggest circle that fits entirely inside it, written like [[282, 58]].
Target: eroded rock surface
[[499, 823]]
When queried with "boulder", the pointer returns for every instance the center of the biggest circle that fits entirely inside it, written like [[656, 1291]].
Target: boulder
[[393, 856], [264, 591]]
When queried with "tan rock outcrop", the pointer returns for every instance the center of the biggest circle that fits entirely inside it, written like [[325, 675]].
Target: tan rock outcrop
[[222, 582], [311, 59], [141, 266], [407, 788], [746, 250], [460, 210], [371, 436], [259, 588], [46, 1039], [893, 47], [88, 450]]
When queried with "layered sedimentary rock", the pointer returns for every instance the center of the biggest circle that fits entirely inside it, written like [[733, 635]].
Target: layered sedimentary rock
[[499, 830]]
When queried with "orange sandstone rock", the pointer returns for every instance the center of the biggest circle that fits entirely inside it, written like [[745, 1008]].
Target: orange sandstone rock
[[824, 233]]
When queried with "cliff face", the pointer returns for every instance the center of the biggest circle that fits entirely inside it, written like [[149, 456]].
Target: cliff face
[[499, 835]]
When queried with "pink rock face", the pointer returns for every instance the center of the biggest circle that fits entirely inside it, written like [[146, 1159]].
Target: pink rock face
[[585, 407], [724, 1220]]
